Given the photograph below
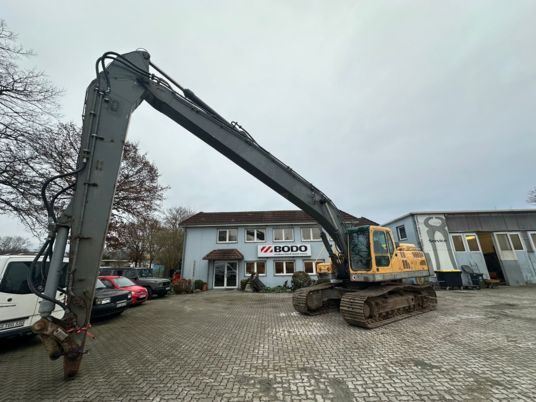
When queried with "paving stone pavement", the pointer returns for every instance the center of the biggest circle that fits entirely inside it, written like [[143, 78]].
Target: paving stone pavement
[[227, 345]]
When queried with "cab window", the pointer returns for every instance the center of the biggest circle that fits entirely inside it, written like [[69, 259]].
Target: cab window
[[360, 249], [381, 249]]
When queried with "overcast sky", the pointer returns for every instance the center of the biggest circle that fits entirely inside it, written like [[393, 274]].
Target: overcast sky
[[386, 106]]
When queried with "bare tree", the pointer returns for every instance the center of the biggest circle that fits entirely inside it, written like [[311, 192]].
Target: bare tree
[[138, 239], [14, 245], [53, 152], [532, 197], [35, 147], [171, 238], [28, 103]]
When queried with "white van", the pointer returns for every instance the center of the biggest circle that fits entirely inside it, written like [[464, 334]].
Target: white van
[[19, 307]]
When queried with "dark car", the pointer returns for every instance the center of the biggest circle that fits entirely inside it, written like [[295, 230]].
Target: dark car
[[109, 302], [142, 277]]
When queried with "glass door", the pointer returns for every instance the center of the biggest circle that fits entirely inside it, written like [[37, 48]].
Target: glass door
[[225, 274], [219, 274], [231, 275]]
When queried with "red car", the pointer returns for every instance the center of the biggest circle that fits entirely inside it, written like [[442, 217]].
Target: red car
[[139, 293]]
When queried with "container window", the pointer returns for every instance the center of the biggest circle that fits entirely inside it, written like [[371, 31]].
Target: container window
[[504, 243], [457, 240], [516, 241], [401, 231], [472, 242]]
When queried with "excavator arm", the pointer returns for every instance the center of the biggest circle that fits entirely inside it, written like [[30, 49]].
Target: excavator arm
[[110, 100]]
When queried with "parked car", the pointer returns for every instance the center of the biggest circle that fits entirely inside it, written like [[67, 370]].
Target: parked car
[[109, 302], [139, 293], [143, 277], [19, 307]]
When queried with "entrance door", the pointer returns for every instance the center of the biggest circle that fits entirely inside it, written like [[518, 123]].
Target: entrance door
[[225, 274], [490, 256]]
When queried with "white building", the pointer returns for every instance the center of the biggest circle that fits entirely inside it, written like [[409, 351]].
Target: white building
[[222, 248]]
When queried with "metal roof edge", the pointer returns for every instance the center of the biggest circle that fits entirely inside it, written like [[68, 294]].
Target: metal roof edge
[[476, 211]]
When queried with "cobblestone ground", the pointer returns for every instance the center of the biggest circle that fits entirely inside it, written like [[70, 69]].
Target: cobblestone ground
[[478, 345]]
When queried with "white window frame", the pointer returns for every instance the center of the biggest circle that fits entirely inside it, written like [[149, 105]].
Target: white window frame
[[315, 262], [284, 267], [255, 239], [465, 243], [227, 236], [400, 238], [247, 275], [467, 249], [310, 228], [291, 229], [532, 241], [508, 236], [523, 247]]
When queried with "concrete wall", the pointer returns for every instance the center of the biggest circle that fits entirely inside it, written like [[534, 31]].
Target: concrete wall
[[202, 240]]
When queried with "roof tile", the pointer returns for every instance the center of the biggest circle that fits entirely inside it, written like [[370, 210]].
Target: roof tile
[[261, 217]]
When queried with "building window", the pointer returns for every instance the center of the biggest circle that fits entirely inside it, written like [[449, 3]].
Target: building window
[[509, 241], [401, 232], [227, 235], [472, 242], [465, 242], [256, 267], [311, 233], [504, 243], [283, 234], [284, 267], [532, 236], [255, 235], [457, 240], [309, 267], [516, 241]]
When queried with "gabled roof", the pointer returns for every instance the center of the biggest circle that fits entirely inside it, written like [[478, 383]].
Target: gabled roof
[[224, 254], [262, 218]]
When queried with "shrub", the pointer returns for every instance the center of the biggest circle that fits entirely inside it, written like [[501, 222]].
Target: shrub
[[181, 286], [198, 284], [300, 280], [244, 283]]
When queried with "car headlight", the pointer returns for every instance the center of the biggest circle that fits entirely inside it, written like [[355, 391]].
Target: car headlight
[[104, 300], [129, 295]]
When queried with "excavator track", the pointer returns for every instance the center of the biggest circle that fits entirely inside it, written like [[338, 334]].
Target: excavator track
[[377, 306], [313, 300]]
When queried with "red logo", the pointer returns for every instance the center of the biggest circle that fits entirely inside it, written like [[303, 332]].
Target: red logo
[[266, 249]]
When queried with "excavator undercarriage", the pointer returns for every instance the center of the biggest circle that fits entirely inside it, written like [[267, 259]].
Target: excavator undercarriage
[[367, 306]]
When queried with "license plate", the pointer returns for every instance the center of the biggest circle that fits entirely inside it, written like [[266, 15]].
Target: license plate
[[168, 288], [121, 304], [11, 324]]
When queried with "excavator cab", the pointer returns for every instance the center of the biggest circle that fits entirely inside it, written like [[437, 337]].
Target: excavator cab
[[374, 257]]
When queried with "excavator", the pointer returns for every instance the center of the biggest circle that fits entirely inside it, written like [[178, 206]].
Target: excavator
[[371, 278]]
